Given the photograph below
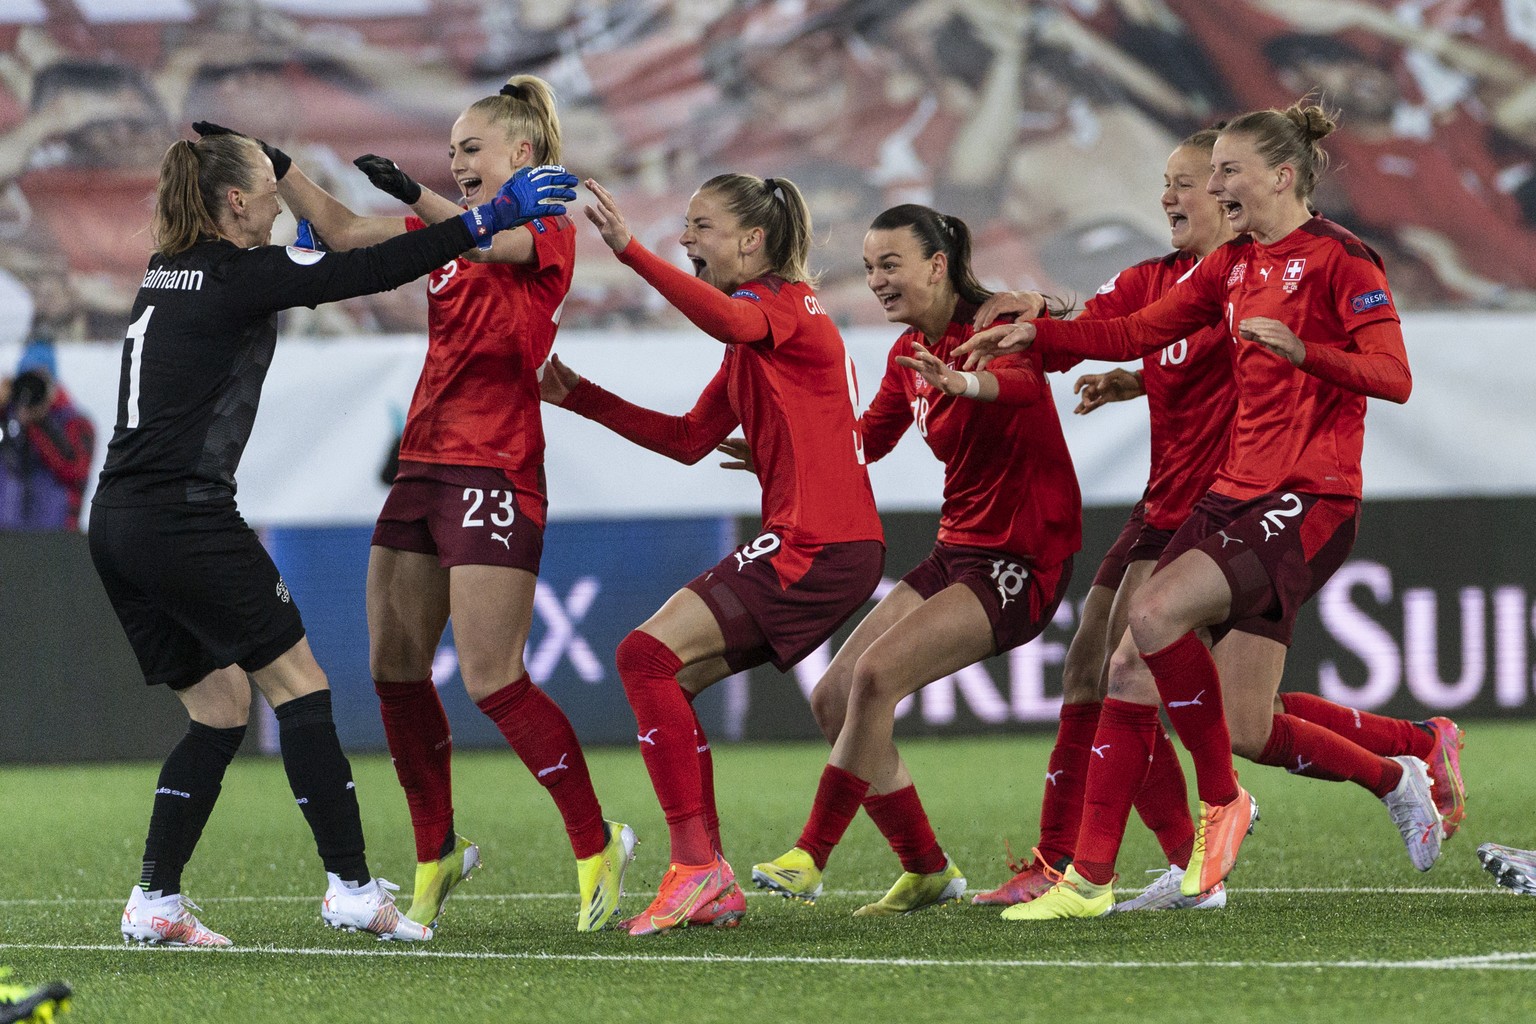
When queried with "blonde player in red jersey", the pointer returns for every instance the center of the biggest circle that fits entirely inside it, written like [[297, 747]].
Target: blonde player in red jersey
[[1279, 519], [787, 380], [1010, 524], [1191, 400], [1191, 397], [462, 530]]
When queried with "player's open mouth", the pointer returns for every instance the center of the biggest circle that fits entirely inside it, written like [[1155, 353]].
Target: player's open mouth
[[888, 299], [1232, 207], [698, 266], [1177, 220], [470, 187]]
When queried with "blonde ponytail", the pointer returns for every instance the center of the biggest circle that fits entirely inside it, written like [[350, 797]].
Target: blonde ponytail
[[525, 109]]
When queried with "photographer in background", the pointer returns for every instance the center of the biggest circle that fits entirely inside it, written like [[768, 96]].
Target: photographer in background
[[45, 447]]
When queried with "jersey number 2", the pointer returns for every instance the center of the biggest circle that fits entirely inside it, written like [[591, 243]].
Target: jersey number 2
[[136, 332]]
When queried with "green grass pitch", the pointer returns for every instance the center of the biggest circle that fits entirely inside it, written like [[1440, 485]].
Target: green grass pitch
[[1327, 921]]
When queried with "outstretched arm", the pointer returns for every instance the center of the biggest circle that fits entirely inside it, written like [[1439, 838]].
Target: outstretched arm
[[1194, 303], [327, 215], [386, 176], [733, 321], [1011, 381], [294, 278], [686, 438], [335, 222]]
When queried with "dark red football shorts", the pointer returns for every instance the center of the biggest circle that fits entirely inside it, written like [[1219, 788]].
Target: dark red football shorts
[[465, 515], [1276, 551], [765, 619], [1019, 600], [1139, 541]]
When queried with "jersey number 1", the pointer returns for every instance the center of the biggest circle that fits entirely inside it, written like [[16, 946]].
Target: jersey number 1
[[136, 332]]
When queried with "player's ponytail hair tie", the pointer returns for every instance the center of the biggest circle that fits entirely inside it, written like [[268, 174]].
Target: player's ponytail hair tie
[[514, 91], [773, 187]]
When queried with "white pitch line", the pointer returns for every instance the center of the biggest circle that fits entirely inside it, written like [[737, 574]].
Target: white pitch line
[[1510, 961], [1482, 890]]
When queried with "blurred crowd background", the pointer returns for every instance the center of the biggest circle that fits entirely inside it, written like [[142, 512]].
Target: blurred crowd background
[[1044, 124]]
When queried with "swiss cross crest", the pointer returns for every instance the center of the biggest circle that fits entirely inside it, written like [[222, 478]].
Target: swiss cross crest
[[1292, 276], [1238, 273]]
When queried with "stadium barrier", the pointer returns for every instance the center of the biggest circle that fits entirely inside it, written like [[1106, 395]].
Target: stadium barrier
[[332, 407], [70, 688], [1432, 614]]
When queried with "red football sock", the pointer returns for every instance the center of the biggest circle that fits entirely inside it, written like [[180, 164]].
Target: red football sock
[[1389, 737], [648, 670], [1190, 689], [542, 737], [838, 796], [1163, 802], [706, 777], [1118, 763], [416, 730], [1305, 748], [901, 819], [1061, 809]]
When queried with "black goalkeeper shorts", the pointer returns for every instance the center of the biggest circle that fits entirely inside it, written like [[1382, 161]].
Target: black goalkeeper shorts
[[194, 589]]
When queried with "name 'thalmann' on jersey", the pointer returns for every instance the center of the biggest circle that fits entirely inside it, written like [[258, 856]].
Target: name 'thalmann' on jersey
[[181, 280]]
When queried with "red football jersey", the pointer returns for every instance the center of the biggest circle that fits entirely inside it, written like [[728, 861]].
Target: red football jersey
[[795, 394], [788, 381], [1009, 484], [490, 327], [1298, 428], [1191, 394]]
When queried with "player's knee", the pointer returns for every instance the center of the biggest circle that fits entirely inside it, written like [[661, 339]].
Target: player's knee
[[488, 671], [877, 682], [397, 657], [1129, 679], [223, 714], [644, 662], [630, 658], [829, 703], [1250, 735], [1152, 617]]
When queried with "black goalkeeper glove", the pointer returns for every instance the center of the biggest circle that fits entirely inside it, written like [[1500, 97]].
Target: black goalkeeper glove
[[386, 177], [280, 161]]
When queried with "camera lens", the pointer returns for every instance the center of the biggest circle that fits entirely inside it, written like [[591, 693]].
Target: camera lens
[[29, 389]]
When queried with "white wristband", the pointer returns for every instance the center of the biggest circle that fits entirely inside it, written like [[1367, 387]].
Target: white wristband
[[972, 384]]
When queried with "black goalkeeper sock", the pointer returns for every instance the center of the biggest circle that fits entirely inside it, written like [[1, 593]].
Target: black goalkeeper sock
[[188, 788], [321, 780]]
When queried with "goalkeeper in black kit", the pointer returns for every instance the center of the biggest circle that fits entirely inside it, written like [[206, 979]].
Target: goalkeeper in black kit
[[204, 607]]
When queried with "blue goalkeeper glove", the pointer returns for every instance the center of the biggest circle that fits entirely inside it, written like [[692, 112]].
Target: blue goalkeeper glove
[[307, 239], [530, 193]]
